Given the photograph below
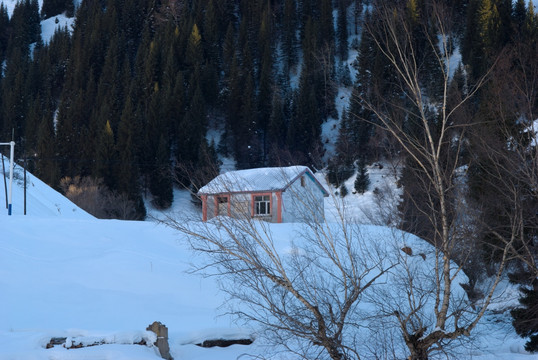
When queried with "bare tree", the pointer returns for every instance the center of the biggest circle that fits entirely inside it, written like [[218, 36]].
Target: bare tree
[[305, 294], [433, 146]]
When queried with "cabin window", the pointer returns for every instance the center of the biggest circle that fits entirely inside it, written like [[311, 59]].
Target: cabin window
[[262, 205], [222, 205], [302, 181]]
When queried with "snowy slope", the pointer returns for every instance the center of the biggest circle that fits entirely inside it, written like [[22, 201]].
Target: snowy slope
[[64, 273], [41, 200], [70, 275], [75, 277]]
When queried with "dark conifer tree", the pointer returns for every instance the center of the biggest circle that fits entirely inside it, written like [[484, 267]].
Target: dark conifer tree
[[66, 138], [234, 101], [519, 14], [525, 320], [504, 7], [46, 165], [4, 31], [25, 26], [194, 127], [289, 39], [211, 32], [340, 167], [106, 159], [265, 95], [363, 179], [248, 153], [228, 49], [210, 83], [471, 50], [161, 178], [304, 130], [277, 130], [127, 175], [177, 107], [52, 8], [357, 12], [194, 52], [14, 98], [341, 30], [54, 62], [326, 36], [530, 29], [32, 122]]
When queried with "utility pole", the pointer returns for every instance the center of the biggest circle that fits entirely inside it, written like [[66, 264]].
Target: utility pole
[[4, 173], [11, 161], [25, 165]]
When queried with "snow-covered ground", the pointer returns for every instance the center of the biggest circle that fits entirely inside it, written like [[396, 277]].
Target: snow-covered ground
[[64, 273]]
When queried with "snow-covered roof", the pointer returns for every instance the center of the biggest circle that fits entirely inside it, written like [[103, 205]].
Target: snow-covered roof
[[257, 180]]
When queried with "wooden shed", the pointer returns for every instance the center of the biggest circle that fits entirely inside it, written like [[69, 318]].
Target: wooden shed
[[274, 194]]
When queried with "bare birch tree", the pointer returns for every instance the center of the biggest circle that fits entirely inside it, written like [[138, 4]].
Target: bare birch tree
[[434, 147]]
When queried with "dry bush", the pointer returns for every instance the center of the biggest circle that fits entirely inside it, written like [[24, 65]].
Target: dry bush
[[94, 197]]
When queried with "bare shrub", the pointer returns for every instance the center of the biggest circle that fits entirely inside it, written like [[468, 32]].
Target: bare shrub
[[94, 197]]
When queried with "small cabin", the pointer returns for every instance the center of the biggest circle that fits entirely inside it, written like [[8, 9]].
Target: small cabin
[[274, 194]]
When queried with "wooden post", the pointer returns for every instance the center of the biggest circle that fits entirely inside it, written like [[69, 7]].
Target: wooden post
[[162, 339]]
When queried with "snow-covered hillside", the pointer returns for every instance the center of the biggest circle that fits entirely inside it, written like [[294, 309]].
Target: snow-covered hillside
[[41, 200], [64, 273]]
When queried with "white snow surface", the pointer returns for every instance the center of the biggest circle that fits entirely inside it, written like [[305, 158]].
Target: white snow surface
[[49, 26], [64, 273]]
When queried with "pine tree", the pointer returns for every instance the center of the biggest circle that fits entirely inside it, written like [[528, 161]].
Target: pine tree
[[342, 30], [211, 32], [289, 41], [52, 8], [194, 52], [105, 157], [127, 170], [357, 11], [14, 99], [161, 178], [228, 49], [305, 127], [343, 190], [265, 90], [530, 32], [25, 26], [472, 51], [248, 147], [519, 14], [363, 179], [489, 26], [4, 31], [326, 26], [277, 123], [46, 165], [524, 317]]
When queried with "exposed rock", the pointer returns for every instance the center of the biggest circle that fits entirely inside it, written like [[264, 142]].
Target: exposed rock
[[224, 342]]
